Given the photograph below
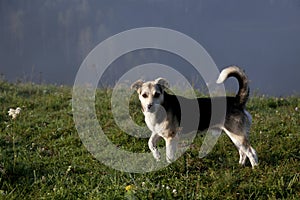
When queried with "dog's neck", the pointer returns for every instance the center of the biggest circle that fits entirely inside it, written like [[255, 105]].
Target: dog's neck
[[157, 116]]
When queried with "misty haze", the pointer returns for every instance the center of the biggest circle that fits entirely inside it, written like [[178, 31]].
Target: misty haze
[[46, 41]]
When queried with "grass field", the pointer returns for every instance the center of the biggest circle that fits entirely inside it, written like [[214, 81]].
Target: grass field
[[42, 156]]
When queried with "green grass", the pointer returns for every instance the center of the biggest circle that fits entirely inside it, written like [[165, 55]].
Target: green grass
[[42, 156]]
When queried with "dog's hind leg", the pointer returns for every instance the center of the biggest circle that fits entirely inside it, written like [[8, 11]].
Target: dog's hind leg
[[244, 148], [252, 155], [243, 157]]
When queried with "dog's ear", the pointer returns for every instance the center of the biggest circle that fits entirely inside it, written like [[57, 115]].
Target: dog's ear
[[137, 85], [162, 82]]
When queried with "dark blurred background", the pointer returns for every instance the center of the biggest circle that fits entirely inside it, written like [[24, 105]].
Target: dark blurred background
[[45, 41]]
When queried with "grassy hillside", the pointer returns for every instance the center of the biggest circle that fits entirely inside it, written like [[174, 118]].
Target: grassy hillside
[[42, 156]]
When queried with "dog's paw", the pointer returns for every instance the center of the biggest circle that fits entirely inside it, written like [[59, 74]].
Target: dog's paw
[[170, 159], [156, 155]]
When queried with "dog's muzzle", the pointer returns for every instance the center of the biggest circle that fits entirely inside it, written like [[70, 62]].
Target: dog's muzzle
[[149, 106]]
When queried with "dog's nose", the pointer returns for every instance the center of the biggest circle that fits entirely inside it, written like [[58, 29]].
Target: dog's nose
[[150, 105]]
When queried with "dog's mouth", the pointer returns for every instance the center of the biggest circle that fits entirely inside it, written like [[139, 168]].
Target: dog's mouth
[[155, 108], [149, 108]]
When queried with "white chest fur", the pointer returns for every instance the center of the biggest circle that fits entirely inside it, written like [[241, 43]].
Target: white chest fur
[[155, 122]]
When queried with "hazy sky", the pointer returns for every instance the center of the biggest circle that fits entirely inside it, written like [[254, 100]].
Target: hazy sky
[[47, 40]]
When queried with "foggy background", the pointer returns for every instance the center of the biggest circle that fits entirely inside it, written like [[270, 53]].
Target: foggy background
[[45, 41]]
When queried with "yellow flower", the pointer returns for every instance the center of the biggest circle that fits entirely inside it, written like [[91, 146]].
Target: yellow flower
[[130, 191], [129, 188]]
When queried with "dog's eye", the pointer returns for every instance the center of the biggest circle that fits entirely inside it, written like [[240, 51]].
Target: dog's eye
[[156, 95], [145, 95]]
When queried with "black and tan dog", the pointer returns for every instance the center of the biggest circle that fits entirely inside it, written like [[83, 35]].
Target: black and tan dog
[[164, 115]]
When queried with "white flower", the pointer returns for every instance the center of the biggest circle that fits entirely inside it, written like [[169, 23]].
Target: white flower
[[143, 184], [14, 112], [69, 169], [167, 187], [174, 191], [296, 109]]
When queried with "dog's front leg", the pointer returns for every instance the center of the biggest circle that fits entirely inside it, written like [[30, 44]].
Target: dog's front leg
[[171, 148], [152, 145]]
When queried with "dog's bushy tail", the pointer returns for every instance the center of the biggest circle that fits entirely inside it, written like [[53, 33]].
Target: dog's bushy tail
[[239, 74]]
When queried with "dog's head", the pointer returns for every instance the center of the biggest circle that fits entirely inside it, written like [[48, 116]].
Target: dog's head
[[151, 93]]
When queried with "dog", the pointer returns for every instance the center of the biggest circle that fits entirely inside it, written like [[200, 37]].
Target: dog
[[163, 115]]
